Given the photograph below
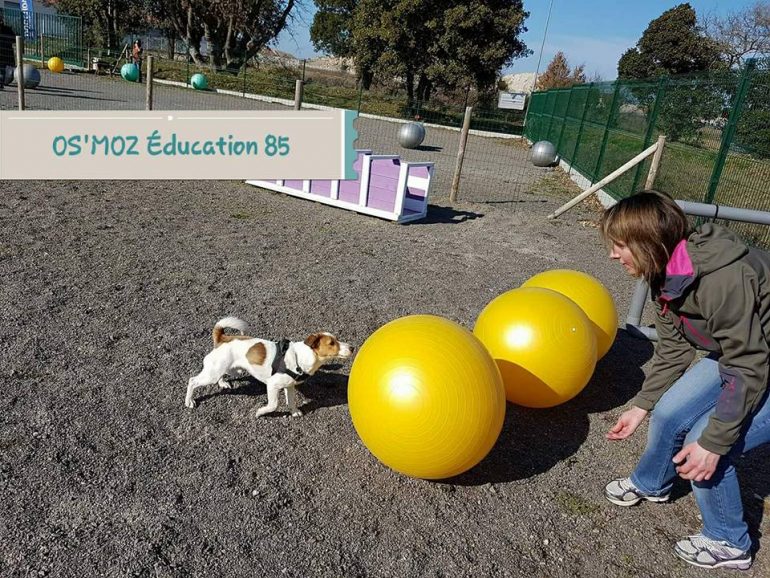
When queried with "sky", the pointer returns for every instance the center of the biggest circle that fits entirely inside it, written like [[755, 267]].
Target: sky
[[591, 32]]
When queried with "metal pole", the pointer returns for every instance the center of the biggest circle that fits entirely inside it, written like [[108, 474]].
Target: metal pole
[[637, 303], [150, 67], [564, 120], [712, 211], [461, 154], [20, 70], [606, 135], [539, 60], [580, 129], [527, 113], [542, 46], [729, 132], [553, 110]]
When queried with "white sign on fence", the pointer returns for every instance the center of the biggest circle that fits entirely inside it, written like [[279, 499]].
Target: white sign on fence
[[513, 100]]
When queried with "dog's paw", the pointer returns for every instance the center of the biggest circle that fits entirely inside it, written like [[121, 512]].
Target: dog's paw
[[262, 411], [225, 384], [297, 413], [190, 403]]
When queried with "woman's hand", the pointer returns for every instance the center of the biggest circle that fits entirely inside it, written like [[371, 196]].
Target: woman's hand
[[627, 423], [696, 464]]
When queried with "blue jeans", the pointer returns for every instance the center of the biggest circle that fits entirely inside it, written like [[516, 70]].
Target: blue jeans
[[678, 419]]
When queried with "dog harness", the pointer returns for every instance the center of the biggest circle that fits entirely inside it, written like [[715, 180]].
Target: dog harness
[[279, 363]]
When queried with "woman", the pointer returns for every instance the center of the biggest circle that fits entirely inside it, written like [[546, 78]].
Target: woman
[[136, 57], [713, 292]]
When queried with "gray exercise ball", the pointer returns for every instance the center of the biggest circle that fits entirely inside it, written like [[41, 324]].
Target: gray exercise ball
[[31, 76], [8, 74], [544, 154], [411, 135]]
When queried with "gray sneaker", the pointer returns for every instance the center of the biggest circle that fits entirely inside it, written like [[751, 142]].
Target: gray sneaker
[[706, 553], [622, 492]]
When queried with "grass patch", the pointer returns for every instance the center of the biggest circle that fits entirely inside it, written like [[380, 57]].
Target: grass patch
[[575, 505], [686, 170], [558, 184], [328, 89]]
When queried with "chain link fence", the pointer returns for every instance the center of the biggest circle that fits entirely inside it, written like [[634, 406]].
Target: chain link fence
[[495, 166], [48, 35], [717, 128]]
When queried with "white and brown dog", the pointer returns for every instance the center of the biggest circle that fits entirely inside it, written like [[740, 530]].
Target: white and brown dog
[[279, 365]]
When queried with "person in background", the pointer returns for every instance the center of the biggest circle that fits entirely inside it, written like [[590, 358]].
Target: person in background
[[136, 57], [713, 292]]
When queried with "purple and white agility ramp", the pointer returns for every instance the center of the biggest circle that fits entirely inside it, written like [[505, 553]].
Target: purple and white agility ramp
[[386, 187]]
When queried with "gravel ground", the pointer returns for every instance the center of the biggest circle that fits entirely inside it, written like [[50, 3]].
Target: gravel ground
[[110, 290], [109, 293]]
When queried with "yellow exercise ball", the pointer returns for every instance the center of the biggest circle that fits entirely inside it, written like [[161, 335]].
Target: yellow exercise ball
[[542, 342], [55, 64], [426, 397], [590, 295]]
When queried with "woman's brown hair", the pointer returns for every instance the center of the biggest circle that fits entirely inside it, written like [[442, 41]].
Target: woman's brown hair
[[651, 225]]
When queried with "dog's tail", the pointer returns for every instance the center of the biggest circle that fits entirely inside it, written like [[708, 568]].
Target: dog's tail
[[232, 323]]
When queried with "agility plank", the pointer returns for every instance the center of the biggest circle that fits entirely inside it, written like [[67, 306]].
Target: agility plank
[[386, 187]]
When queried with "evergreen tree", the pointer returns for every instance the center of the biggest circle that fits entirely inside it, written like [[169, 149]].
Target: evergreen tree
[[436, 43], [673, 43], [331, 31], [559, 75]]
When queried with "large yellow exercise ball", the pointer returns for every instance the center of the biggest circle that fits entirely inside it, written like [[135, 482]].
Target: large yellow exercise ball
[[426, 397], [55, 64], [542, 342], [590, 295]]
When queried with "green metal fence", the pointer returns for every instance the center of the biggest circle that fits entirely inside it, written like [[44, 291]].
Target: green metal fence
[[717, 128], [55, 35]]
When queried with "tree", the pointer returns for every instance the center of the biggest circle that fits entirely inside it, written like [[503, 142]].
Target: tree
[[177, 20], [460, 60], [753, 131], [105, 21], [241, 28], [559, 75], [741, 33], [673, 43], [431, 43], [332, 28], [235, 30]]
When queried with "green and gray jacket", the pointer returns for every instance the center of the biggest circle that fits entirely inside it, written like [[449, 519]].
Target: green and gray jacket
[[716, 296]]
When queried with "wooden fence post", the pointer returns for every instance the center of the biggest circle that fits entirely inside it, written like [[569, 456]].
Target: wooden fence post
[[655, 162], [148, 100], [461, 154], [20, 70], [298, 89]]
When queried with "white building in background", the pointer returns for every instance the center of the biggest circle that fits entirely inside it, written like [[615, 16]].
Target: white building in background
[[521, 82]]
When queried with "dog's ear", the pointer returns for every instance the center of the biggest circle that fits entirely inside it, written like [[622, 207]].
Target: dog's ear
[[313, 340]]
